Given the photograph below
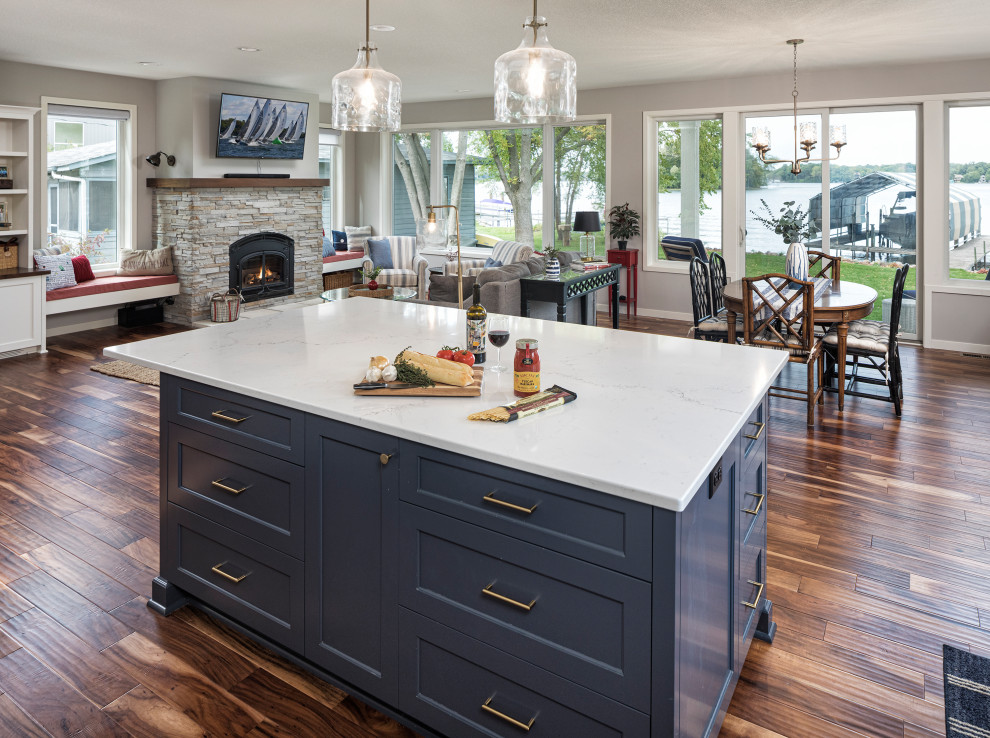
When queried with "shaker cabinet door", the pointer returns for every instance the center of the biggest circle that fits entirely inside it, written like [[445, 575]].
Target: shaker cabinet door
[[351, 540]]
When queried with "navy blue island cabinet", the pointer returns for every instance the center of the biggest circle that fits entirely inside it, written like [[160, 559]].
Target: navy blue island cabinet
[[462, 597]]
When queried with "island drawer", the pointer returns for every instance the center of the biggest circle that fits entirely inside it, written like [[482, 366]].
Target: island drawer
[[255, 424], [753, 435], [752, 497], [578, 620], [252, 583], [602, 529], [250, 493], [459, 686]]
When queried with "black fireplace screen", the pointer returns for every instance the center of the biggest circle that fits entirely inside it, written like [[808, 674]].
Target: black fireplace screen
[[261, 266]]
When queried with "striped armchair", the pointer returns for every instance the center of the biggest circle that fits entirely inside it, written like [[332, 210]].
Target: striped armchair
[[409, 267], [507, 252]]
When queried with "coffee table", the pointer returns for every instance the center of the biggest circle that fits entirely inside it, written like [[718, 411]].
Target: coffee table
[[570, 286], [342, 293]]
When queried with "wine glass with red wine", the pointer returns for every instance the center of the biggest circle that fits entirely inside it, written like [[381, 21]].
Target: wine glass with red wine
[[498, 336]]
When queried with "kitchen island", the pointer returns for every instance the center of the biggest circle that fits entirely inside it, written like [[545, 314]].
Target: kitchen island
[[597, 569]]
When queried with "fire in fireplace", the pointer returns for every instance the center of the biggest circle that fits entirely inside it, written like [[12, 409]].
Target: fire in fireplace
[[261, 266]]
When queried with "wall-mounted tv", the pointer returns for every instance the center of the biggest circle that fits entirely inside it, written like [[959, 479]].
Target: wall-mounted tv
[[261, 128]]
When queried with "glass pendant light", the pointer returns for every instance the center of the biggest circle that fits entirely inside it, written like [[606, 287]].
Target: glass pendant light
[[535, 83], [366, 97]]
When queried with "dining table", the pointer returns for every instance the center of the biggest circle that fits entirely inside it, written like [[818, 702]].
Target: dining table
[[840, 304]]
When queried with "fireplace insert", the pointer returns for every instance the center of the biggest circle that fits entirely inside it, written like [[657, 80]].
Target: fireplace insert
[[261, 266]]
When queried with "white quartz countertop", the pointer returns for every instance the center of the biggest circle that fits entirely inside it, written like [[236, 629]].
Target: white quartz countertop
[[653, 414]]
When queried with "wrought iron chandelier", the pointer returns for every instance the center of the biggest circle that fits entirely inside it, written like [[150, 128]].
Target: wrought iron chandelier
[[535, 83], [366, 97], [808, 138]]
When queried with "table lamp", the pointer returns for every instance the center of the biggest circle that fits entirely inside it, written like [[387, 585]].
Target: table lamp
[[587, 222]]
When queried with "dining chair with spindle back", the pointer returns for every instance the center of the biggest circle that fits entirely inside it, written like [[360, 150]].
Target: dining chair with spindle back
[[779, 316], [871, 345]]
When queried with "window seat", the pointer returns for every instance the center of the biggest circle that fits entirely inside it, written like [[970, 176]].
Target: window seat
[[107, 291], [342, 261]]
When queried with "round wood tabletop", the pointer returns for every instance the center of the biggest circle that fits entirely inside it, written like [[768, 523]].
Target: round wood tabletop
[[840, 303]]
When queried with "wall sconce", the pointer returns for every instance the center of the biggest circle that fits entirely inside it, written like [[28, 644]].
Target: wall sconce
[[156, 159]]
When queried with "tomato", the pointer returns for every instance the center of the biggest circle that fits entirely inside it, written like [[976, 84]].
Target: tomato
[[446, 353], [464, 357]]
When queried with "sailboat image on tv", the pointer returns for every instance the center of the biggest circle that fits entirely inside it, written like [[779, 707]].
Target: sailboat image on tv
[[261, 128]]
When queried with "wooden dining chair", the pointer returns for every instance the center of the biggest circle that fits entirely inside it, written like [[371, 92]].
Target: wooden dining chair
[[778, 316], [821, 264], [871, 346], [708, 326]]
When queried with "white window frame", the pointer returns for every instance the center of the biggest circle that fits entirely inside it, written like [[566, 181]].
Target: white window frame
[[336, 177], [436, 131], [963, 285], [127, 163]]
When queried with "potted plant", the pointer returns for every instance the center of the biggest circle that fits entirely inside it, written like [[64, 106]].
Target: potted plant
[[551, 263], [369, 275], [623, 224], [794, 225]]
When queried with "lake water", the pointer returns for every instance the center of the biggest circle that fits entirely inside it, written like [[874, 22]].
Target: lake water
[[758, 237]]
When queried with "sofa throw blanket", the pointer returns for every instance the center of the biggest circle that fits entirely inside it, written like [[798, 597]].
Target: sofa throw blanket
[[145, 262]]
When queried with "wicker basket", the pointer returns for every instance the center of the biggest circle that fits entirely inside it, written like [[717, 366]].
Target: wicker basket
[[8, 255], [361, 290], [336, 280], [226, 308]]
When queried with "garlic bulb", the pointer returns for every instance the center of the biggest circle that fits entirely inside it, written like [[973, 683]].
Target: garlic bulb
[[389, 373], [374, 374]]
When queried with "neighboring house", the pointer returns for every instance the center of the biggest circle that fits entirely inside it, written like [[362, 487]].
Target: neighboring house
[[82, 193], [405, 225]]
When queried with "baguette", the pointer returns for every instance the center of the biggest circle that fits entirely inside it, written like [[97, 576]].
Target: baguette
[[439, 370]]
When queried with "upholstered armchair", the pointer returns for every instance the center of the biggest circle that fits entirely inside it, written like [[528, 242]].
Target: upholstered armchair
[[409, 268], [507, 252]]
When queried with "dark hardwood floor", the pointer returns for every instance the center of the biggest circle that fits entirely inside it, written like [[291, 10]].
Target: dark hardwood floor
[[877, 556]]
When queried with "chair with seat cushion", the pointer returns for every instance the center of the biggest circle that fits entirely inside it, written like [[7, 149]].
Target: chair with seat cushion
[[779, 316], [707, 325], [408, 267], [504, 252], [719, 277], [679, 248], [871, 345]]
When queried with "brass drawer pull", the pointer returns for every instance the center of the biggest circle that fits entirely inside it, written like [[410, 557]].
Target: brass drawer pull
[[759, 504], [508, 600], [218, 483], [229, 419], [519, 508], [759, 594], [759, 432], [512, 721], [217, 570]]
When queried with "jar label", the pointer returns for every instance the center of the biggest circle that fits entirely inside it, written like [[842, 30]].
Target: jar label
[[527, 381]]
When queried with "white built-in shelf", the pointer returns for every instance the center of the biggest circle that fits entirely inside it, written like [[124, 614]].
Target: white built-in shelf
[[4, 154], [4, 193], [4, 234]]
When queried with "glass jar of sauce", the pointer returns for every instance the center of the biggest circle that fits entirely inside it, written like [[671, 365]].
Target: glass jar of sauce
[[526, 369]]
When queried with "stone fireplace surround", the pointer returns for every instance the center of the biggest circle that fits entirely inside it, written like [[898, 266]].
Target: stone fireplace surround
[[201, 218]]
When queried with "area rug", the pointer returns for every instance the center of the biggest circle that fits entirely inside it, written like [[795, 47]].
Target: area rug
[[967, 694], [127, 370]]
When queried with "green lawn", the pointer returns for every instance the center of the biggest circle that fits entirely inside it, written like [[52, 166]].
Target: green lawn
[[509, 234]]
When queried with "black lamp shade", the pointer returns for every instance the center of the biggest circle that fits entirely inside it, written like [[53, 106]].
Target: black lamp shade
[[586, 221]]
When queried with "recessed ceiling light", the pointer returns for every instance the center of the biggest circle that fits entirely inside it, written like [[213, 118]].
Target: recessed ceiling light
[[247, 48], [381, 27], [147, 64], [462, 90]]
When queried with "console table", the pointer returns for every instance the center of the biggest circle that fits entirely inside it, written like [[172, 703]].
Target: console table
[[570, 286], [629, 258]]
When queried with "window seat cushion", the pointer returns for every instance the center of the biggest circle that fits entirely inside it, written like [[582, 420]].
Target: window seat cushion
[[345, 256], [101, 285]]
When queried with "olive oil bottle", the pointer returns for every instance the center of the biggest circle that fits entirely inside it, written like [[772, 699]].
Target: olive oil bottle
[[477, 327]]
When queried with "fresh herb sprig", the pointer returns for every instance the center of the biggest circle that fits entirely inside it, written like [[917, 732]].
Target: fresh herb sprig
[[408, 372]]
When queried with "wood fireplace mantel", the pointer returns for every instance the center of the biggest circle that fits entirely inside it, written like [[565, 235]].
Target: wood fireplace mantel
[[216, 182]]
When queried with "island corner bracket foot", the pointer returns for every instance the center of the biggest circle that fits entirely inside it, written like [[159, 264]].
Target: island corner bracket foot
[[766, 628], [166, 598]]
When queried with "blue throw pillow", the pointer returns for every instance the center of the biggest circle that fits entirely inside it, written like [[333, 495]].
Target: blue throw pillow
[[380, 253], [339, 240], [328, 249], [490, 262]]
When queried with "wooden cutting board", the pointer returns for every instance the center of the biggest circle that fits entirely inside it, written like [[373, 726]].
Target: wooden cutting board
[[438, 390]]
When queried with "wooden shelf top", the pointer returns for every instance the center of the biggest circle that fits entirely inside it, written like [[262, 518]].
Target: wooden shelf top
[[215, 182], [17, 272]]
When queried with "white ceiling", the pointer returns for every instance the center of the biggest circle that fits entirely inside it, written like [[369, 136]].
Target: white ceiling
[[439, 48]]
